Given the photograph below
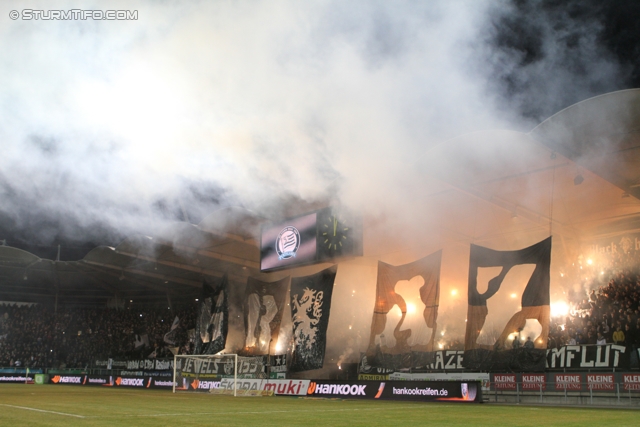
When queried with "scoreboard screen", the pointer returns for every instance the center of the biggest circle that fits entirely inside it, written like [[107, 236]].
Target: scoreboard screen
[[315, 237]]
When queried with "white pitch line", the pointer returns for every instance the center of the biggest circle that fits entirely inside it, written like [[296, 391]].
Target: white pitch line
[[245, 412], [43, 410]]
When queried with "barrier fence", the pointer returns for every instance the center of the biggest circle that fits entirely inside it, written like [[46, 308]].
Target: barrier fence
[[617, 388]]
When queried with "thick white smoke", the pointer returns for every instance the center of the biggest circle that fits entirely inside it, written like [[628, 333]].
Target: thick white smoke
[[261, 99]]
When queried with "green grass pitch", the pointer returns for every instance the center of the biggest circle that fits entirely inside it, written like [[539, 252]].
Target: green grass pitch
[[51, 405]]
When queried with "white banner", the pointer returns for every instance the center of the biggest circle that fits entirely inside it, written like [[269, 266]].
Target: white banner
[[279, 387]]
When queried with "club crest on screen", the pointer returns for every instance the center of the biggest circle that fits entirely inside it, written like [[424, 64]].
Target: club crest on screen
[[288, 242]]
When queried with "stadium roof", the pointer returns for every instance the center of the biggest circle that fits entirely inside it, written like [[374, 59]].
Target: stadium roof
[[158, 269], [601, 135]]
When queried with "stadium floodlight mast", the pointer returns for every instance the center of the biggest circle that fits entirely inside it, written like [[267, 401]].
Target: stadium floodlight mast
[[203, 366]]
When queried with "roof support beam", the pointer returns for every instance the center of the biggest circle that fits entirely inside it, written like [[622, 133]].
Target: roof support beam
[[109, 271], [145, 273], [182, 266], [222, 257]]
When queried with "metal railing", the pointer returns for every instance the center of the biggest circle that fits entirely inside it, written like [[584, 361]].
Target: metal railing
[[615, 394]]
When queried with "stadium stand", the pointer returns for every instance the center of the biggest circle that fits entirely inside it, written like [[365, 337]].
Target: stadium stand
[[34, 336], [611, 307]]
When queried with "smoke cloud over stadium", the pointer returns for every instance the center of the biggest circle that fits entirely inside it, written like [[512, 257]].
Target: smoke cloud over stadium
[[112, 127]]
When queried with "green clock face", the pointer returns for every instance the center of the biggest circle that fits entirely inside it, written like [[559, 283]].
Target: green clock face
[[334, 235]]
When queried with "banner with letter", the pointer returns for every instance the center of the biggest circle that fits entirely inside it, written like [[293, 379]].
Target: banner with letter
[[112, 381], [581, 357], [567, 381], [279, 387], [441, 360], [17, 378], [248, 367], [398, 390], [137, 364], [572, 357]]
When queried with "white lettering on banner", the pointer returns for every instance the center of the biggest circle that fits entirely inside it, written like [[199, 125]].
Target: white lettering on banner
[[97, 381], [448, 360], [625, 244], [631, 382], [205, 385], [342, 389], [14, 379], [439, 361], [563, 357], [600, 382], [162, 365], [555, 353], [247, 367], [568, 378], [195, 366], [570, 355], [420, 391], [505, 381], [568, 382], [452, 358], [618, 349], [132, 382], [599, 362], [583, 362], [147, 364], [163, 383], [70, 380], [534, 382]]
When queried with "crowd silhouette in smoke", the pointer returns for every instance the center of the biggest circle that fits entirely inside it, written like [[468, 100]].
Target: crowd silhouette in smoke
[[35, 336], [609, 313]]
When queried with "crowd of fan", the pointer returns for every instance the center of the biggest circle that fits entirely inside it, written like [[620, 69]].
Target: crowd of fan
[[35, 336], [610, 313]]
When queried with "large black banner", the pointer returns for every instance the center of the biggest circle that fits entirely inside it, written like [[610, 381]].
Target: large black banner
[[433, 361], [310, 308], [428, 270], [517, 360], [263, 308], [572, 357], [534, 305], [213, 317]]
